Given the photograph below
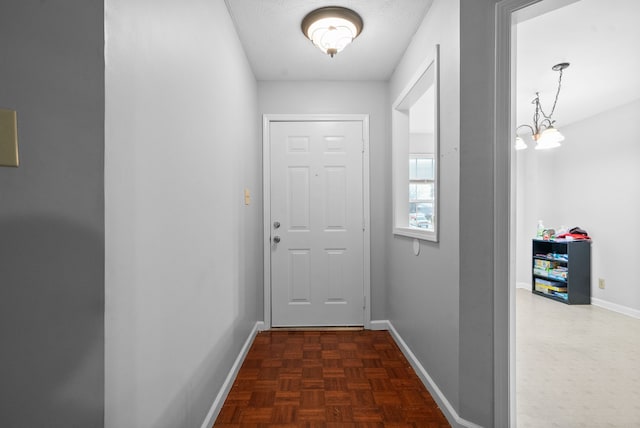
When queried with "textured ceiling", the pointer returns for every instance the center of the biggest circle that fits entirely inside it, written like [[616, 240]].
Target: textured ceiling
[[277, 50], [599, 39]]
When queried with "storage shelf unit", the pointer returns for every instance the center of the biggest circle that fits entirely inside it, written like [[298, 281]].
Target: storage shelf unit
[[561, 270]]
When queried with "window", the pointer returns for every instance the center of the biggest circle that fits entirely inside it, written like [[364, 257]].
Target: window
[[415, 155], [421, 191]]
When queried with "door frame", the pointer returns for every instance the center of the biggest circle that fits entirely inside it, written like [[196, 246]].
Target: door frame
[[267, 119], [504, 332]]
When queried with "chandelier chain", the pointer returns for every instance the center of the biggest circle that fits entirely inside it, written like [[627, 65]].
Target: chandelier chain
[[554, 101]]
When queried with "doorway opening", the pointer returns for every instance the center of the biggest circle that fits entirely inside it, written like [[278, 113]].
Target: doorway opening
[[574, 185]]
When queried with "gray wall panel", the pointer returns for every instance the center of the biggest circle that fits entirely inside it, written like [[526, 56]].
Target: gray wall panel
[[52, 215]]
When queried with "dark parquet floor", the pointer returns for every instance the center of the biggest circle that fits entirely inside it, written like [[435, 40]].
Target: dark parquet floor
[[346, 379]]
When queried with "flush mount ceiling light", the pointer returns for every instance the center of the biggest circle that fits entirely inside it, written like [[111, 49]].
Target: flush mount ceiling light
[[542, 129], [331, 28]]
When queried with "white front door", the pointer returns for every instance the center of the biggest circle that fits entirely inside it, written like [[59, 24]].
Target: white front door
[[317, 223]]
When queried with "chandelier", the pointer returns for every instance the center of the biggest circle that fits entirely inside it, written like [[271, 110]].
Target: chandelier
[[332, 28], [542, 130]]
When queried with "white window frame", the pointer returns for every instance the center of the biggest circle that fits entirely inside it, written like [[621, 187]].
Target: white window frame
[[426, 75], [414, 156]]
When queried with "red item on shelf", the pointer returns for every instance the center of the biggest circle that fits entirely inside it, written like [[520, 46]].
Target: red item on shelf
[[575, 236]]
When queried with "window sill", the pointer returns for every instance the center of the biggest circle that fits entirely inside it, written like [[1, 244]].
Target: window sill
[[411, 232]]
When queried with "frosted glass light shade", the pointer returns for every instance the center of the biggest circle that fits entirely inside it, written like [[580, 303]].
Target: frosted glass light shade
[[332, 35], [520, 144], [331, 29], [550, 138]]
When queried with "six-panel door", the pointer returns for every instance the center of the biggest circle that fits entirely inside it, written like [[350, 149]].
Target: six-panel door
[[317, 200]]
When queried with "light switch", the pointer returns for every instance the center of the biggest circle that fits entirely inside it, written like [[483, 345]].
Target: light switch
[[8, 138], [247, 197]]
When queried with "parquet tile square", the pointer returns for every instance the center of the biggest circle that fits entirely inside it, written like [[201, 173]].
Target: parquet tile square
[[358, 384], [361, 397], [311, 355], [412, 397], [311, 398], [381, 385], [265, 385], [372, 363], [352, 362], [287, 398], [314, 414], [347, 346], [312, 373], [337, 413], [262, 398], [331, 354], [336, 398], [290, 373], [288, 384], [239, 396], [393, 414], [248, 373], [335, 383], [284, 414], [328, 379], [332, 372], [332, 364], [292, 363], [368, 414], [354, 372], [256, 414], [269, 362], [380, 373], [386, 398], [313, 383], [229, 414], [311, 362], [268, 373]]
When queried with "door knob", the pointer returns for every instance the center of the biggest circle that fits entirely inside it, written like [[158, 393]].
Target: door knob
[[276, 239], [276, 224]]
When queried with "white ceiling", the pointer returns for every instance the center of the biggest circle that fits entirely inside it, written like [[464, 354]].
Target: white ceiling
[[277, 50], [600, 39]]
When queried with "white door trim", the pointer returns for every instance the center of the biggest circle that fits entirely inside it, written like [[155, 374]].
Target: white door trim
[[504, 373], [266, 189]]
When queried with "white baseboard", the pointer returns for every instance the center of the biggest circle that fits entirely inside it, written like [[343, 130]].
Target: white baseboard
[[450, 413], [624, 310], [261, 326], [379, 325], [228, 382]]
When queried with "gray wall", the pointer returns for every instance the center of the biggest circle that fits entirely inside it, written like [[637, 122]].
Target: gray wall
[[183, 251], [52, 215], [349, 98], [477, 77], [441, 302], [423, 292]]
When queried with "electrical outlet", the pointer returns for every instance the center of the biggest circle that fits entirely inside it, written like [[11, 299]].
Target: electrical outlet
[[601, 283]]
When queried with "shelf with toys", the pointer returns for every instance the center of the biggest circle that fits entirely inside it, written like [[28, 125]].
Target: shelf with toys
[[561, 269]]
